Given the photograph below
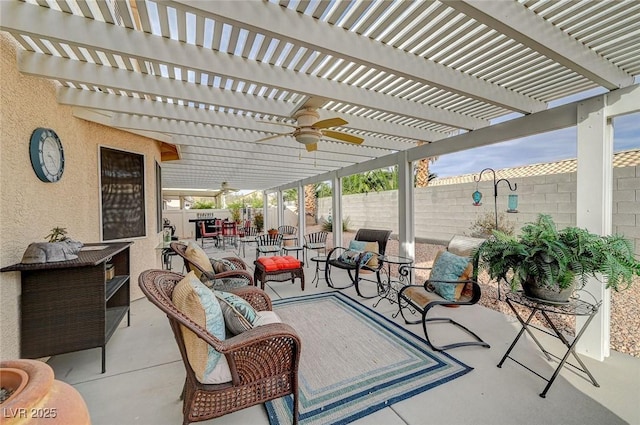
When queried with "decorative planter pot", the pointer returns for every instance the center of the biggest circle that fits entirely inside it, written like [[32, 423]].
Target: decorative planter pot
[[37, 398], [532, 289], [272, 232]]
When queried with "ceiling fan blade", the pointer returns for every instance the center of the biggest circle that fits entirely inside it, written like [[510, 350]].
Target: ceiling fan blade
[[311, 147], [343, 136], [277, 123], [275, 136], [330, 122]]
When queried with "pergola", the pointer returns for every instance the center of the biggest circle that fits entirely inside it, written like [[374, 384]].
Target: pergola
[[414, 79]]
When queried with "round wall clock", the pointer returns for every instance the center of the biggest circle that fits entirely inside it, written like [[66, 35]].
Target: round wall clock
[[47, 155]]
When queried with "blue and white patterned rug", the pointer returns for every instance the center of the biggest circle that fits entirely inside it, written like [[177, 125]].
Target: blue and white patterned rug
[[354, 361]]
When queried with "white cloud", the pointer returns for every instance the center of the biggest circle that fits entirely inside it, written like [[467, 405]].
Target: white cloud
[[547, 147]]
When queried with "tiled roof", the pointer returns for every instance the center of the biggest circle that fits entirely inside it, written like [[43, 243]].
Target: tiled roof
[[628, 158]]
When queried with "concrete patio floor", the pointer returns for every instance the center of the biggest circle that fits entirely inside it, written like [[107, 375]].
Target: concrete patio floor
[[145, 374]]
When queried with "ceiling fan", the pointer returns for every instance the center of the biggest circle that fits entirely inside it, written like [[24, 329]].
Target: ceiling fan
[[224, 188], [310, 129]]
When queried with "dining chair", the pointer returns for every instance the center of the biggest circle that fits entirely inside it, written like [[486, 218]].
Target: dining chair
[[229, 232], [289, 235], [315, 241], [268, 244], [249, 235], [204, 234]]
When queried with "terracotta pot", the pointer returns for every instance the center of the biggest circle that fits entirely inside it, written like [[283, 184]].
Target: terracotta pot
[[38, 398], [272, 232]]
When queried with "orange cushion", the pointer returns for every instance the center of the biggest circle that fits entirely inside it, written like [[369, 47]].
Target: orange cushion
[[292, 262], [279, 263], [268, 263]]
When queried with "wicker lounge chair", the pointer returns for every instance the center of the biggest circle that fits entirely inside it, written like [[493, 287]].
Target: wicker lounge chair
[[233, 277], [263, 360]]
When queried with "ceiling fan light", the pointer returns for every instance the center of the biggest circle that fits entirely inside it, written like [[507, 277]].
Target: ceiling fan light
[[307, 136]]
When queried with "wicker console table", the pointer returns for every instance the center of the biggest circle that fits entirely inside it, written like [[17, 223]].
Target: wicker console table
[[73, 305], [262, 275]]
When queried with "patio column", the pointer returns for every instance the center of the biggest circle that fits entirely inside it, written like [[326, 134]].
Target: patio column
[[406, 228], [336, 207], [280, 208], [594, 209], [302, 214], [265, 210]]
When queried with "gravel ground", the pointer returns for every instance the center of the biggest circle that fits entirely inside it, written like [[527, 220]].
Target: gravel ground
[[625, 305]]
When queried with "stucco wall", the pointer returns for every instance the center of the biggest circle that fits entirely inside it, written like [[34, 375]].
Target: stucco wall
[[29, 208], [442, 211]]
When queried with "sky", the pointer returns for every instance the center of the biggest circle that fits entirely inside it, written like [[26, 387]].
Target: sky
[[546, 147]]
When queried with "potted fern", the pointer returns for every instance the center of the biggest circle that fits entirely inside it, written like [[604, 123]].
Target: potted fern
[[550, 263]]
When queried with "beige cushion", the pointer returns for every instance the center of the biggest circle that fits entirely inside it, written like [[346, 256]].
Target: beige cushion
[[266, 317], [463, 245], [373, 247], [196, 255], [420, 296], [198, 302]]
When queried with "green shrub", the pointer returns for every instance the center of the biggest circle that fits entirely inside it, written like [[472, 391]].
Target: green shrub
[[203, 205], [258, 221], [485, 224], [327, 225]]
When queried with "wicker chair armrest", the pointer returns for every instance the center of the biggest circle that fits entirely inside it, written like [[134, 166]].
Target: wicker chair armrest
[[255, 296], [235, 273], [207, 275], [262, 352], [238, 262]]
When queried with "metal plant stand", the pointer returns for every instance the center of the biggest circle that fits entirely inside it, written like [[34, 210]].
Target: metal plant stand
[[574, 307]]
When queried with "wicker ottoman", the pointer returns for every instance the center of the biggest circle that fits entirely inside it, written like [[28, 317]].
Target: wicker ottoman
[[278, 269]]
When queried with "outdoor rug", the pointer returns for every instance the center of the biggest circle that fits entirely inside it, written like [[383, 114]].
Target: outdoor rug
[[354, 361]]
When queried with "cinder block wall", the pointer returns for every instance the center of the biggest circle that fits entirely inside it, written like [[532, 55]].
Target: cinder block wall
[[442, 211]]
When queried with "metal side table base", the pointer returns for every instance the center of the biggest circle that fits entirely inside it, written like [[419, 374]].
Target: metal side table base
[[575, 307]]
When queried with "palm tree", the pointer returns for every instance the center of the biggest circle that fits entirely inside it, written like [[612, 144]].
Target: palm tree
[[423, 176], [371, 181], [310, 200]]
